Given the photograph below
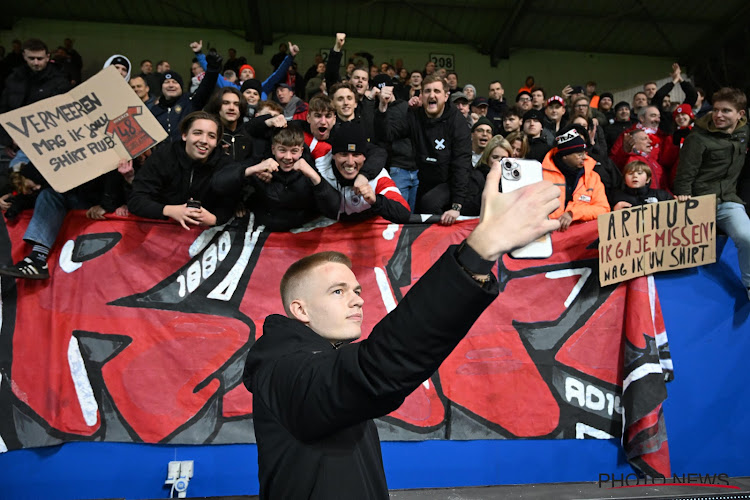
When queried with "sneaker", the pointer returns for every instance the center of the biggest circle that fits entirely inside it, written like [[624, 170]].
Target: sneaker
[[27, 269]]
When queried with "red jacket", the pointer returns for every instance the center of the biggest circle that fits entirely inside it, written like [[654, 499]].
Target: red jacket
[[663, 152]]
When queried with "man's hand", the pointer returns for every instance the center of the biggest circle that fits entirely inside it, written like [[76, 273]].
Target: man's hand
[[360, 181], [449, 217], [293, 49], [386, 97], [96, 212], [122, 211], [340, 41], [5, 202], [566, 91], [366, 192], [125, 167], [512, 220], [372, 93], [277, 121], [204, 217], [621, 205], [182, 214], [627, 142], [565, 220], [196, 47], [265, 167], [683, 197], [415, 102]]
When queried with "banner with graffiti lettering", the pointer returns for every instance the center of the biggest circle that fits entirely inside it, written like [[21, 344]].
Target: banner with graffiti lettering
[[75, 137], [141, 333]]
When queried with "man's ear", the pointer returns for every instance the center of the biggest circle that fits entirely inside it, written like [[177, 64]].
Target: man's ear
[[298, 310]]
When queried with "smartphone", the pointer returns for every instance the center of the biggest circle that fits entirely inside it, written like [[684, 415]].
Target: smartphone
[[193, 203], [517, 173]]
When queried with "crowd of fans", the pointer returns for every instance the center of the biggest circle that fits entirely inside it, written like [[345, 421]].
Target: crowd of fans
[[349, 142]]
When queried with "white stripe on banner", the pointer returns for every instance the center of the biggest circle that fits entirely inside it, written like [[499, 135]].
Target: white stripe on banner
[[583, 272], [228, 285], [583, 430], [385, 289], [639, 373], [85, 393], [66, 258]]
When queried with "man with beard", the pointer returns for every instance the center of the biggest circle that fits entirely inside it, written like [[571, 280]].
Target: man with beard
[[582, 194], [442, 148]]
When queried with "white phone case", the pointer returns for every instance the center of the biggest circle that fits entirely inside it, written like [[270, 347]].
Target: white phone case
[[517, 173]]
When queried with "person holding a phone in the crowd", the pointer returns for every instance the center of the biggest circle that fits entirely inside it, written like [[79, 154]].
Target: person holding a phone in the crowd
[[175, 181], [582, 194]]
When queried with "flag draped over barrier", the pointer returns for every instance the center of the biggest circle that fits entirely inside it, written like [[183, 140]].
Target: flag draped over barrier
[[142, 331]]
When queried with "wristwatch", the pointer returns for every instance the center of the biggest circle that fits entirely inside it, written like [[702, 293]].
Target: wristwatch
[[456, 207]]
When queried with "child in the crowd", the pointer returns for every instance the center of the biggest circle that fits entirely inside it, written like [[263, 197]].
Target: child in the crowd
[[293, 195], [636, 191]]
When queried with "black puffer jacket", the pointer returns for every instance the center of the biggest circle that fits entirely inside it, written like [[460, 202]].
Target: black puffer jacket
[[170, 177]]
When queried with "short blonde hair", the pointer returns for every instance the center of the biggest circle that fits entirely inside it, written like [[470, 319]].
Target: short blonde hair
[[300, 269]]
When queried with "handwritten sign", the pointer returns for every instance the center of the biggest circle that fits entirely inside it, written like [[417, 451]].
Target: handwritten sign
[[656, 237], [75, 137]]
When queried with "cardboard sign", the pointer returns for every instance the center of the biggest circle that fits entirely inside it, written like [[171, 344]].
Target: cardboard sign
[[656, 237], [75, 137]]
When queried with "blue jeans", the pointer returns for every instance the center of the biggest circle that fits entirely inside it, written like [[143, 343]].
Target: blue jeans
[[733, 220], [406, 182], [49, 213]]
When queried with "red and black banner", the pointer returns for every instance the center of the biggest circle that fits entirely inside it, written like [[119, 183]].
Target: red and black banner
[[142, 331]]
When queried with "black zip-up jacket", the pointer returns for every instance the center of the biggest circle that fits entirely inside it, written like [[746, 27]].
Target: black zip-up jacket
[[313, 405], [442, 146], [170, 177], [237, 144], [401, 152], [638, 196]]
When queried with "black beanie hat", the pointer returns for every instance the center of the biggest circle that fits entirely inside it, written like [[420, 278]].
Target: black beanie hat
[[171, 75], [252, 84], [348, 137], [570, 142]]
